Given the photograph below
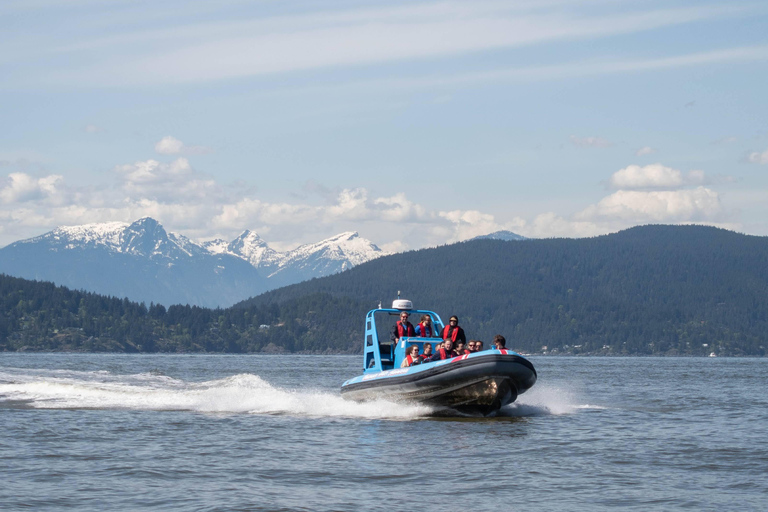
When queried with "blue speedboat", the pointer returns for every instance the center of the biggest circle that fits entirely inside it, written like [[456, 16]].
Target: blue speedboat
[[480, 382]]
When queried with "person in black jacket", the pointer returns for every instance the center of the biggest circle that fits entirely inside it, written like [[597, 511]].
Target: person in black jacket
[[403, 328], [453, 332]]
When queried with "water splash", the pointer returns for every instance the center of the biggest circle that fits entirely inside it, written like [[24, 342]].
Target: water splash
[[544, 400], [238, 394]]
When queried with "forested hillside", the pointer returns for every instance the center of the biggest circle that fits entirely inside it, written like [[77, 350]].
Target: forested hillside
[[650, 289], [41, 316], [647, 290]]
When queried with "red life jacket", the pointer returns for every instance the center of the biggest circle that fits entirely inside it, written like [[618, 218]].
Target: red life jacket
[[453, 335], [403, 331], [409, 358], [444, 354], [426, 330]]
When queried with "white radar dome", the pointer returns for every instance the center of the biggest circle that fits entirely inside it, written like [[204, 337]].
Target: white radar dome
[[402, 304]]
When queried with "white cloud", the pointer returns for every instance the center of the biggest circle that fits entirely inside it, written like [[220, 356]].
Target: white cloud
[[664, 206], [590, 142], [21, 187], [358, 36], [758, 158], [470, 223], [187, 201], [645, 150], [169, 145], [654, 176], [562, 71], [167, 182], [395, 246], [399, 209], [551, 225], [350, 204]]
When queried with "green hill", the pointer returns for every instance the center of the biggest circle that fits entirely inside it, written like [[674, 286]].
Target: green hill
[[650, 289], [687, 290]]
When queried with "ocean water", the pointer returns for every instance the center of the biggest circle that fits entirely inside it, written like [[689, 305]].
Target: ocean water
[[258, 432]]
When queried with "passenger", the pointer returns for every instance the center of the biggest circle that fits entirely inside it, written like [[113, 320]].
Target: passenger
[[424, 328], [403, 328], [446, 352], [453, 331], [471, 346], [427, 355], [461, 349], [412, 357], [478, 345], [499, 342]]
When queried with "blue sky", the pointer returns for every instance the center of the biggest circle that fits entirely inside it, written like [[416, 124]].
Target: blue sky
[[413, 123]]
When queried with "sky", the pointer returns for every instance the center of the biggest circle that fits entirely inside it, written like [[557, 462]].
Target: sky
[[413, 123]]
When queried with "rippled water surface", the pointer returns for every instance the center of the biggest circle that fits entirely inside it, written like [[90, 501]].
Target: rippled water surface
[[198, 432]]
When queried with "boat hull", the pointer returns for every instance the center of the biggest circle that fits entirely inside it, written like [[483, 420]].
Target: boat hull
[[480, 382]]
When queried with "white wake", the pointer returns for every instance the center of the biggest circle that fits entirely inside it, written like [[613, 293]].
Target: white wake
[[243, 394]]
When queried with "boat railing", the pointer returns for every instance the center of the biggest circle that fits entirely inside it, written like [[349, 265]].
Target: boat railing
[[379, 351]]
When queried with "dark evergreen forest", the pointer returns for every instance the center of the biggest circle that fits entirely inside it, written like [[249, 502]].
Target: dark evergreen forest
[[672, 290]]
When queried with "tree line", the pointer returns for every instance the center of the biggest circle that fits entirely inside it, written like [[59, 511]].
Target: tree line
[[673, 290]]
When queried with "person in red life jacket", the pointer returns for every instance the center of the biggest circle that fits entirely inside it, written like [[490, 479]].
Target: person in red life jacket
[[424, 329], [412, 357], [446, 352], [499, 342], [461, 348], [427, 355], [403, 328], [453, 331]]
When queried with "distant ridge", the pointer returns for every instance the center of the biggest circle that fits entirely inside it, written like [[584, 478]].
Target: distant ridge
[[507, 236], [645, 290], [144, 262], [650, 290]]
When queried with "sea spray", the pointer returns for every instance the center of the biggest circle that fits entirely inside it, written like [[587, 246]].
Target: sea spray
[[237, 394], [542, 400]]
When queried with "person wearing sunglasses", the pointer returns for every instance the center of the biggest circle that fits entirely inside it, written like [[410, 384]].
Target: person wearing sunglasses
[[412, 357], [453, 332], [403, 328]]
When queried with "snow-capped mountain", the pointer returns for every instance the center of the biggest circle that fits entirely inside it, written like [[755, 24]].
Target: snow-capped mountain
[[145, 237], [327, 257], [248, 246], [143, 262]]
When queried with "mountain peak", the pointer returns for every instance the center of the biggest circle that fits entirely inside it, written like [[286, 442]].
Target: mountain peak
[[347, 235], [507, 236], [174, 266], [329, 256], [145, 237], [253, 249]]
